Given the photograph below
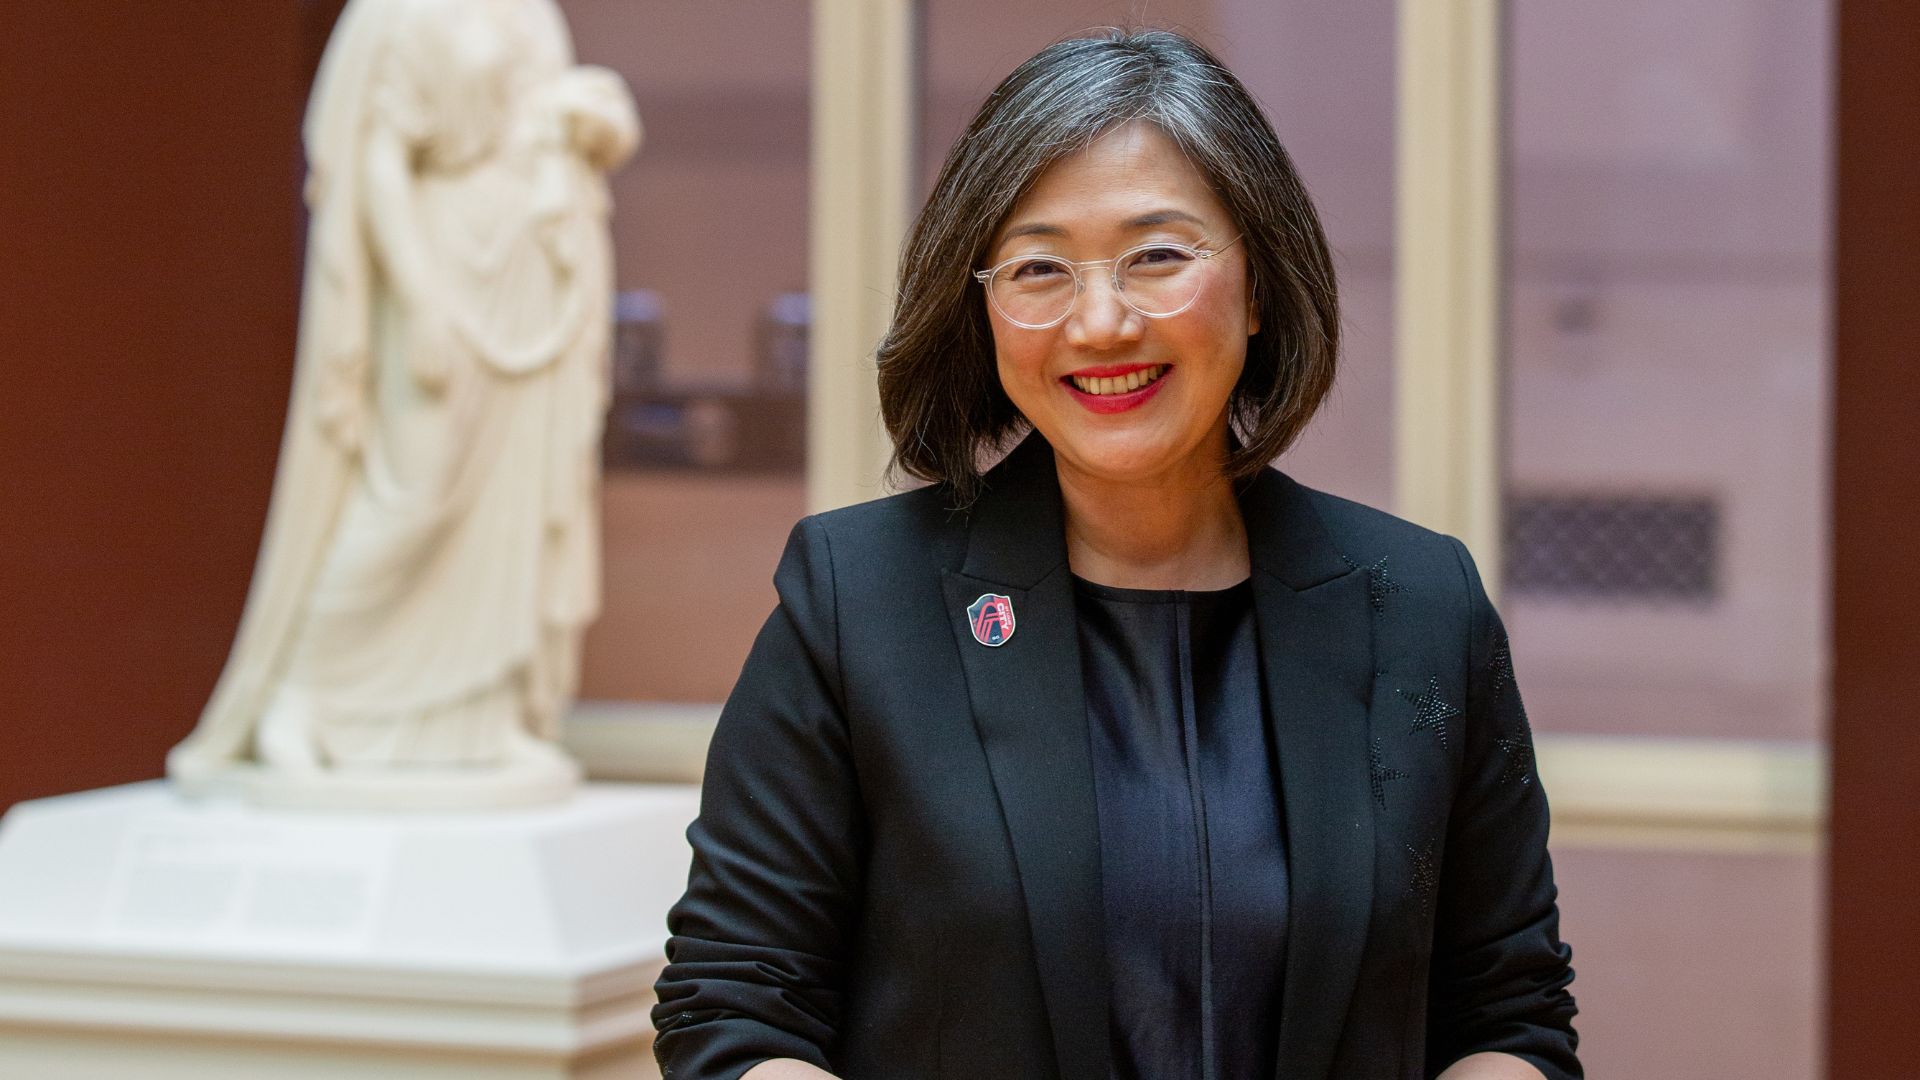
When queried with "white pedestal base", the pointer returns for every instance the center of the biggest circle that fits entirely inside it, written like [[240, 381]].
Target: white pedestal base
[[144, 935], [548, 779]]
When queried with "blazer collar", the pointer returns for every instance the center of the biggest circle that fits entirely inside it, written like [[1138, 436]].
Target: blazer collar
[[1030, 714], [1314, 628], [1017, 534]]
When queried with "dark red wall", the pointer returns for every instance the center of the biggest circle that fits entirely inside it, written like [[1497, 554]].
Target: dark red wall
[[1874, 894], [149, 245]]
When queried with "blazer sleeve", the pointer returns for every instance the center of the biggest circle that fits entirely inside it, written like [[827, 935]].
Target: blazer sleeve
[[757, 947], [1500, 972]]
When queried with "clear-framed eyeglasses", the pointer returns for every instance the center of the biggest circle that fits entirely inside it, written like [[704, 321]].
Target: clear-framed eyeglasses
[[1157, 280]]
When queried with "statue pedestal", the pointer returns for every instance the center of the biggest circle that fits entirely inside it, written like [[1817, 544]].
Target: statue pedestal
[[143, 934]]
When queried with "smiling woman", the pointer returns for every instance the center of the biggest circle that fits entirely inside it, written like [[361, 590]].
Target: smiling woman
[[1078, 154], [1078, 380], [1132, 756]]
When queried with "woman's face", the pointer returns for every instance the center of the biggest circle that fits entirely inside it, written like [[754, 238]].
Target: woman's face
[[1130, 187]]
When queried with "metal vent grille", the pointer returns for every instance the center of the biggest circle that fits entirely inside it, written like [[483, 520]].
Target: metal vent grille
[[1614, 547]]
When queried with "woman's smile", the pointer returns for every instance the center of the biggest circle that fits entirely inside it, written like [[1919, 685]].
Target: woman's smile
[[1113, 388]]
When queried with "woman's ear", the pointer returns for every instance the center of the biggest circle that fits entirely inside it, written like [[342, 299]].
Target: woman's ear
[[1253, 315]]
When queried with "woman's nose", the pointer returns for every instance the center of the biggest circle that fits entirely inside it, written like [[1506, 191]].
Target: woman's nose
[[1100, 318]]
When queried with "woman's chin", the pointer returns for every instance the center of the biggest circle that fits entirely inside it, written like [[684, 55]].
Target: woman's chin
[[1119, 460]]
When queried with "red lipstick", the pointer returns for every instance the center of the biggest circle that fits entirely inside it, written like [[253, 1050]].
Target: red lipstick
[[1109, 371], [1115, 403]]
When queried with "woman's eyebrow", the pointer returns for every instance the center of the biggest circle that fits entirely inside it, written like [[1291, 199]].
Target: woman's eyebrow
[[1162, 217], [1033, 228], [1144, 221]]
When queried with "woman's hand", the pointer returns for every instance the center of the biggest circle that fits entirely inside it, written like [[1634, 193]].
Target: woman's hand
[[785, 1069], [1483, 1066]]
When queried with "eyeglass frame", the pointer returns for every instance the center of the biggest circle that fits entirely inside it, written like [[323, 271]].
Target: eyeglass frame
[[985, 278]]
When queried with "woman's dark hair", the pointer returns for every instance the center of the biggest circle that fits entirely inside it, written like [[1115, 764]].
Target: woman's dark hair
[[939, 391]]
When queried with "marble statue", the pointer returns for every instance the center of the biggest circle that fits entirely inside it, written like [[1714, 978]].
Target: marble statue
[[412, 632]]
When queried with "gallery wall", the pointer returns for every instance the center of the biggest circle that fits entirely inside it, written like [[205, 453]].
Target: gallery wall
[[1875, 925], [150, 231]]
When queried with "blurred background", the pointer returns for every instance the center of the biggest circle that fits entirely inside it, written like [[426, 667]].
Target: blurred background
[[1698, 532]]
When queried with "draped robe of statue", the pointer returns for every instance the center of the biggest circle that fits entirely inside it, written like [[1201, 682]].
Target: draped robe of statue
[[430, 560]]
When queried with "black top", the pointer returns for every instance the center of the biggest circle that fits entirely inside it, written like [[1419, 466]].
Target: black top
[[897, 864], [1193, 865]]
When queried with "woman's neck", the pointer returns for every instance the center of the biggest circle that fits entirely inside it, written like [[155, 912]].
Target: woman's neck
[[1180, 531]]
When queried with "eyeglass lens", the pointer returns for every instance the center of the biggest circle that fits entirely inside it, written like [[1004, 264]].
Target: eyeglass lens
[[1039, 290]]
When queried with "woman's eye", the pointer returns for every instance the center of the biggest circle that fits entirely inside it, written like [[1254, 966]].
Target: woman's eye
[[1033, 270], [1159, 258]]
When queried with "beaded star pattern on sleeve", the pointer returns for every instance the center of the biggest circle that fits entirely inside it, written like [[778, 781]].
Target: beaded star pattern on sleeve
[[1431, 712]]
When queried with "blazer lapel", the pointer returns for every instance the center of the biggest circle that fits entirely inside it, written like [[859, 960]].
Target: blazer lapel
[[1316, 656], [1031, 714]]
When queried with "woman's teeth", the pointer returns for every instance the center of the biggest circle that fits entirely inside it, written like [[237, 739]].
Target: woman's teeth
[[1119, 384]]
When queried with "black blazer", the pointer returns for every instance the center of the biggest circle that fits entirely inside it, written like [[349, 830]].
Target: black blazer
[[896, 868]]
